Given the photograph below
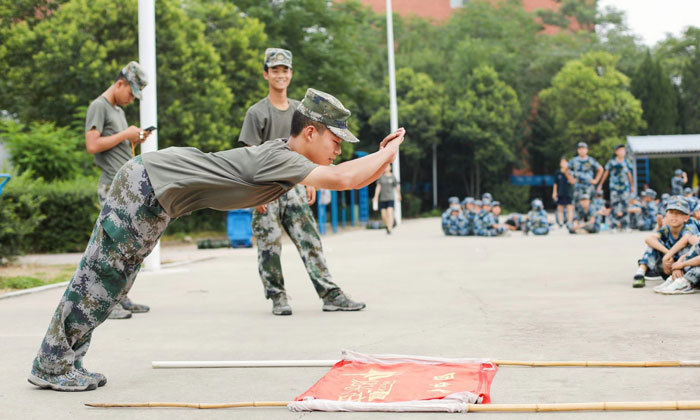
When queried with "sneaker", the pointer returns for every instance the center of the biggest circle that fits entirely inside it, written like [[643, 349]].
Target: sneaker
[[638, 281], [118, 312], [280, 306], [98, 378], [71, 381], [340, 302], [134, 308], [664, 285], [680, 286]]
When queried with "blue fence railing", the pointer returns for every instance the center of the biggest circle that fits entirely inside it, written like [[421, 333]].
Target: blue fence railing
[[4, 179]]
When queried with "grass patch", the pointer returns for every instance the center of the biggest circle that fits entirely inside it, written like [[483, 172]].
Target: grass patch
[[18, 278]]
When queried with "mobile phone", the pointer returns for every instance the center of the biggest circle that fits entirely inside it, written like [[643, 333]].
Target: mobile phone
[[151, 128]]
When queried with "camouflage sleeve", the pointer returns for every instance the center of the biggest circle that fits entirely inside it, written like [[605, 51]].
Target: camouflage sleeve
[[608, 165]]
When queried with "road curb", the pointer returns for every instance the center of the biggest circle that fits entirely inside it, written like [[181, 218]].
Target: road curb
[[55, 285]]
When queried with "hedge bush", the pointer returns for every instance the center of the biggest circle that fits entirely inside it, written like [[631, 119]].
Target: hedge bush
[[20, 215]]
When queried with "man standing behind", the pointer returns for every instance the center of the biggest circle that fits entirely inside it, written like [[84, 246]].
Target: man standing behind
[[621, 185], [586, 171], [110, 139], [271, 119]]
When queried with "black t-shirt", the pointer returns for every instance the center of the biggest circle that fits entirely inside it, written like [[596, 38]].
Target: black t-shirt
[[562, 183]]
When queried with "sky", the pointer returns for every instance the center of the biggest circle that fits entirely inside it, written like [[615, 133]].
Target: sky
[[652, 19]]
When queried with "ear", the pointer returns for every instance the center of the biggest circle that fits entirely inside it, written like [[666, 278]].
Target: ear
[[308, 132], [266, 75]]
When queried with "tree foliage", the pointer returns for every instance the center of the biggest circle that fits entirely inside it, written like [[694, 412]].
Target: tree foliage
[[590, 101], [653, 87]]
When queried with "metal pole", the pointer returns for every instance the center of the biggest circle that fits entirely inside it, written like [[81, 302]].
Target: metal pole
[[393, 108], [148, 105], [435, 179]]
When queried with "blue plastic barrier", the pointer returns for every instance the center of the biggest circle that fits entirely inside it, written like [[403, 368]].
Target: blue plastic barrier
[[532, 180], [4, 181], [238, 228]]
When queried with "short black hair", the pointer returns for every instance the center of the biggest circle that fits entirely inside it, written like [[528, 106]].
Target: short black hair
[[119, 77], [299, 121], [265, 68]]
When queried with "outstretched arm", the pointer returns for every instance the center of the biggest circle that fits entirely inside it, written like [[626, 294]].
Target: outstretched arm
[[357, 173]]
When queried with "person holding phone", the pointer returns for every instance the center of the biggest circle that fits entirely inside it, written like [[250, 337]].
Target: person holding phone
[[112, 142]]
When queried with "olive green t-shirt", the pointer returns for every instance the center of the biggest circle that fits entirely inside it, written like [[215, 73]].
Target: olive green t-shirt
[[186, 179], [108, 119], [264, 122]]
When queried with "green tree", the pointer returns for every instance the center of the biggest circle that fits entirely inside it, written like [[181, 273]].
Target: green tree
[[483, 123], [419, 102], [589, 101], [690, 93], [240, 42], [60, 64], [653, 87]]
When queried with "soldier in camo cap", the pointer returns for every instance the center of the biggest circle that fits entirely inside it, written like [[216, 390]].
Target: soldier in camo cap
[[152, 189], [111, 140], [271, 119]]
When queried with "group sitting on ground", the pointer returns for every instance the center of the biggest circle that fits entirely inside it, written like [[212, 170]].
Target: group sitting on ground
[[472, 217], [673, 251]]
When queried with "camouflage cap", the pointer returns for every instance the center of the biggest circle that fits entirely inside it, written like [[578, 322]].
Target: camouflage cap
[[468, 200], [486, 196], [687, 190], [478, 203], [678, 203], [537, 203], [278, 57], [678, 172], [582, 144], [496, 204], [664, 196], [326, 109], [136, 76], [584, 197], [651, 193], [453, 200]]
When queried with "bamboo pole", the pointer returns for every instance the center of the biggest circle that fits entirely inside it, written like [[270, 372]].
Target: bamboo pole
[[328, 363], [477, 408], [591, 406], [191, 405]]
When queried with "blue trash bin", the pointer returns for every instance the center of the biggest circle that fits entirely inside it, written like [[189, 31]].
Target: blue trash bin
[[238, 227]]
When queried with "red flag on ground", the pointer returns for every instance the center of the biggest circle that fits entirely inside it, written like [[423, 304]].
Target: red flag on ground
[[362, 382]]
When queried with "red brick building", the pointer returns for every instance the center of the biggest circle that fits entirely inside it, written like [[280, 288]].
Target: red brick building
[[440, 10]]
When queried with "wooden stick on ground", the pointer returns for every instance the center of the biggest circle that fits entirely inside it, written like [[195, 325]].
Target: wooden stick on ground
[[497, 408], [192, 405], [328, 363]]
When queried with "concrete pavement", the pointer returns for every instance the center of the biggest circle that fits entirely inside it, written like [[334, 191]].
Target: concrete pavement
[[558, 297]]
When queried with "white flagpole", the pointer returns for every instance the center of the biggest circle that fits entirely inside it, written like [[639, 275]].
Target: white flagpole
[[393, 108], [148, 105]]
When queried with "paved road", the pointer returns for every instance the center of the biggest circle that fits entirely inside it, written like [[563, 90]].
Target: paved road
[[528, 298]]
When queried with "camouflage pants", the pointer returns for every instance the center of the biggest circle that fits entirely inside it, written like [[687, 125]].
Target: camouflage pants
[[692, 274], [619, 202], [579, 190], [127, 229], [491, 231], [653, 260], [102, 193], [292, 213]]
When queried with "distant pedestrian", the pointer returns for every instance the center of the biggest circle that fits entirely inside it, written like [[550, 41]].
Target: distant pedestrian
[[680, 178], [386, 192], [561, 193]]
